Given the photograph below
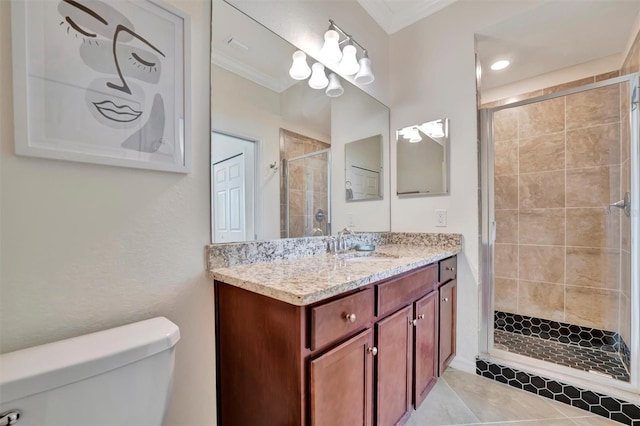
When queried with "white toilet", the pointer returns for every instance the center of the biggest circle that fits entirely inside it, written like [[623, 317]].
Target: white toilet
[[115, 377]]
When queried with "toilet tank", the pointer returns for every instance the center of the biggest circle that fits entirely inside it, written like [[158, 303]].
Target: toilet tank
[[120, 376]]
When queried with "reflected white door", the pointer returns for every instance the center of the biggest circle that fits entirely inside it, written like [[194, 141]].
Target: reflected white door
[[365, 183], [228, 189]]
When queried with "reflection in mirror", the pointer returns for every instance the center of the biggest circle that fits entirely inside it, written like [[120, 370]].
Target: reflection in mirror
[[294, 185], [423, 159], [363, 169]]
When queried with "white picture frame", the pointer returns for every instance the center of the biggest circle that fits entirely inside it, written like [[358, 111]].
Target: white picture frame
[[104, 82]]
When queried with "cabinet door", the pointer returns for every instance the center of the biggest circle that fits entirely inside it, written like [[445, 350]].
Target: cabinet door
[[426, 346], [447, 324], [394, 366], [341, 383]]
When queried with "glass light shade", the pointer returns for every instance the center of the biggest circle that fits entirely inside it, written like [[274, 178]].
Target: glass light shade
[[349, 64], [365, 75], [413, 135], [334, 89], [331, 48], [318, 79], [299, 69]]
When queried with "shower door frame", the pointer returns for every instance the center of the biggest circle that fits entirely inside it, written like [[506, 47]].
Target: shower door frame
[[488, 235], [286, 162]]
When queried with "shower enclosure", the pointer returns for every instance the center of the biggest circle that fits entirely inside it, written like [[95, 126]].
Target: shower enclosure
[[560, 187], [307, 194]]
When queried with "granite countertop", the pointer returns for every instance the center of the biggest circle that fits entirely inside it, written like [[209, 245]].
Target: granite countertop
[[307, 280]]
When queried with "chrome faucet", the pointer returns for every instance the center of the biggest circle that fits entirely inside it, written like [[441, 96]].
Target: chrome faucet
[[341, 243]]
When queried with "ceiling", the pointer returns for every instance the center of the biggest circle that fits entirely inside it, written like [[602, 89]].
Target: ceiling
[[552, 35]]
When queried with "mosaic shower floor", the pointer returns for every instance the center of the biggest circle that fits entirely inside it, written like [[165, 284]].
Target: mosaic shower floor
[[582, 358]]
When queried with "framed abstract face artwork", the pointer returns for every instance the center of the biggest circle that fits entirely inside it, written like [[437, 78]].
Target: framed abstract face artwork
[[103, 82]]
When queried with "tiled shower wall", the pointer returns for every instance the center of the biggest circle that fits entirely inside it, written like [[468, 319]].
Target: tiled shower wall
[[557, 167], [308, 185]]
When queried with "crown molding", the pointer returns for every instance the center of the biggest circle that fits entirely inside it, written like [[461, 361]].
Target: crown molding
[[392, 22], [231, 64]]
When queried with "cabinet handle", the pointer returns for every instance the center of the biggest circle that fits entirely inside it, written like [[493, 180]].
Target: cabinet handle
[[373, 351], [445, 300], [350, 317], [415, 321], [450, 268]]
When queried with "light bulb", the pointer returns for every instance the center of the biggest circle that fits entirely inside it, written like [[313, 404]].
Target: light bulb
[[299, 69], [349, 64], [334, 89], [318, 79], [331, 48], [500, 65], [365, 75]]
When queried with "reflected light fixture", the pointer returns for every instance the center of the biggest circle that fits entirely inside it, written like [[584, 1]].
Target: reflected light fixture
[[500, 65], [318, 78], [299, 69], [433, 129], [334, 89]]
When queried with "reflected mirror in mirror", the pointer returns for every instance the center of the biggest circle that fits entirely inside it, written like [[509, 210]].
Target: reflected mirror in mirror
[[423, 159], [291, 180], [363, 169]]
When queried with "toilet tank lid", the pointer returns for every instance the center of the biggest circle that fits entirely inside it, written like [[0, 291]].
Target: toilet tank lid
[[40, 368]]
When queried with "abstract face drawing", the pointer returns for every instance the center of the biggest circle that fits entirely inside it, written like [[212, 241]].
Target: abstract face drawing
[[127, 66]]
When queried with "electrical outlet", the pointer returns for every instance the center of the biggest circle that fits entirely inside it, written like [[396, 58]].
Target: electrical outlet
[[350, 219], [441, 218]]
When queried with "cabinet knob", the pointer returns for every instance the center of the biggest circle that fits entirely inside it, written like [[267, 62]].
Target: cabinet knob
[[450, 268], [373, 351], [445, 300], [414, 322], [350, 317], [421, 316]]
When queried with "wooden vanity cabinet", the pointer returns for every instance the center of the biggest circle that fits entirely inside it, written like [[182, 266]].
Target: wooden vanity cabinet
[[447, 307], [426, 347], [362, 358], [447, 339], [341, 383]]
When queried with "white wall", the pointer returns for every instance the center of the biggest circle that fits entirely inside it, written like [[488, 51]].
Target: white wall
[[433, 76], [354, 116], [87, 247]]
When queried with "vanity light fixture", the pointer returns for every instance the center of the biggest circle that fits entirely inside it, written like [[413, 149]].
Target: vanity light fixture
[[330, 51], [299, 69], [348, 61], [500, 65]]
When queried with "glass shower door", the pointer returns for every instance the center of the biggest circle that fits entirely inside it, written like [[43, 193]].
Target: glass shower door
[[308, 194], [560, 250]]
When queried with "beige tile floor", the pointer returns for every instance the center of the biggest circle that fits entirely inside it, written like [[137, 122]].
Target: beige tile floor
[[460, 398]]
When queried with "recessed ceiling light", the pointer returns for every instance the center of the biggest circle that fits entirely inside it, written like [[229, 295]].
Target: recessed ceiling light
[[500, 65]]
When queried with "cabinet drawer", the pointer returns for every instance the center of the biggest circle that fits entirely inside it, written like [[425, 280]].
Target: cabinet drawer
[[448, 269], [333, 320], [402, 291]]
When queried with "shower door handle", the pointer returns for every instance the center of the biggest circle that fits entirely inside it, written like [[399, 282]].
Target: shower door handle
[[624, 204]]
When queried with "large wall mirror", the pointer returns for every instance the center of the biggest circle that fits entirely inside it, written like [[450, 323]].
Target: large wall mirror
[[282, 153], [423, 159]]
